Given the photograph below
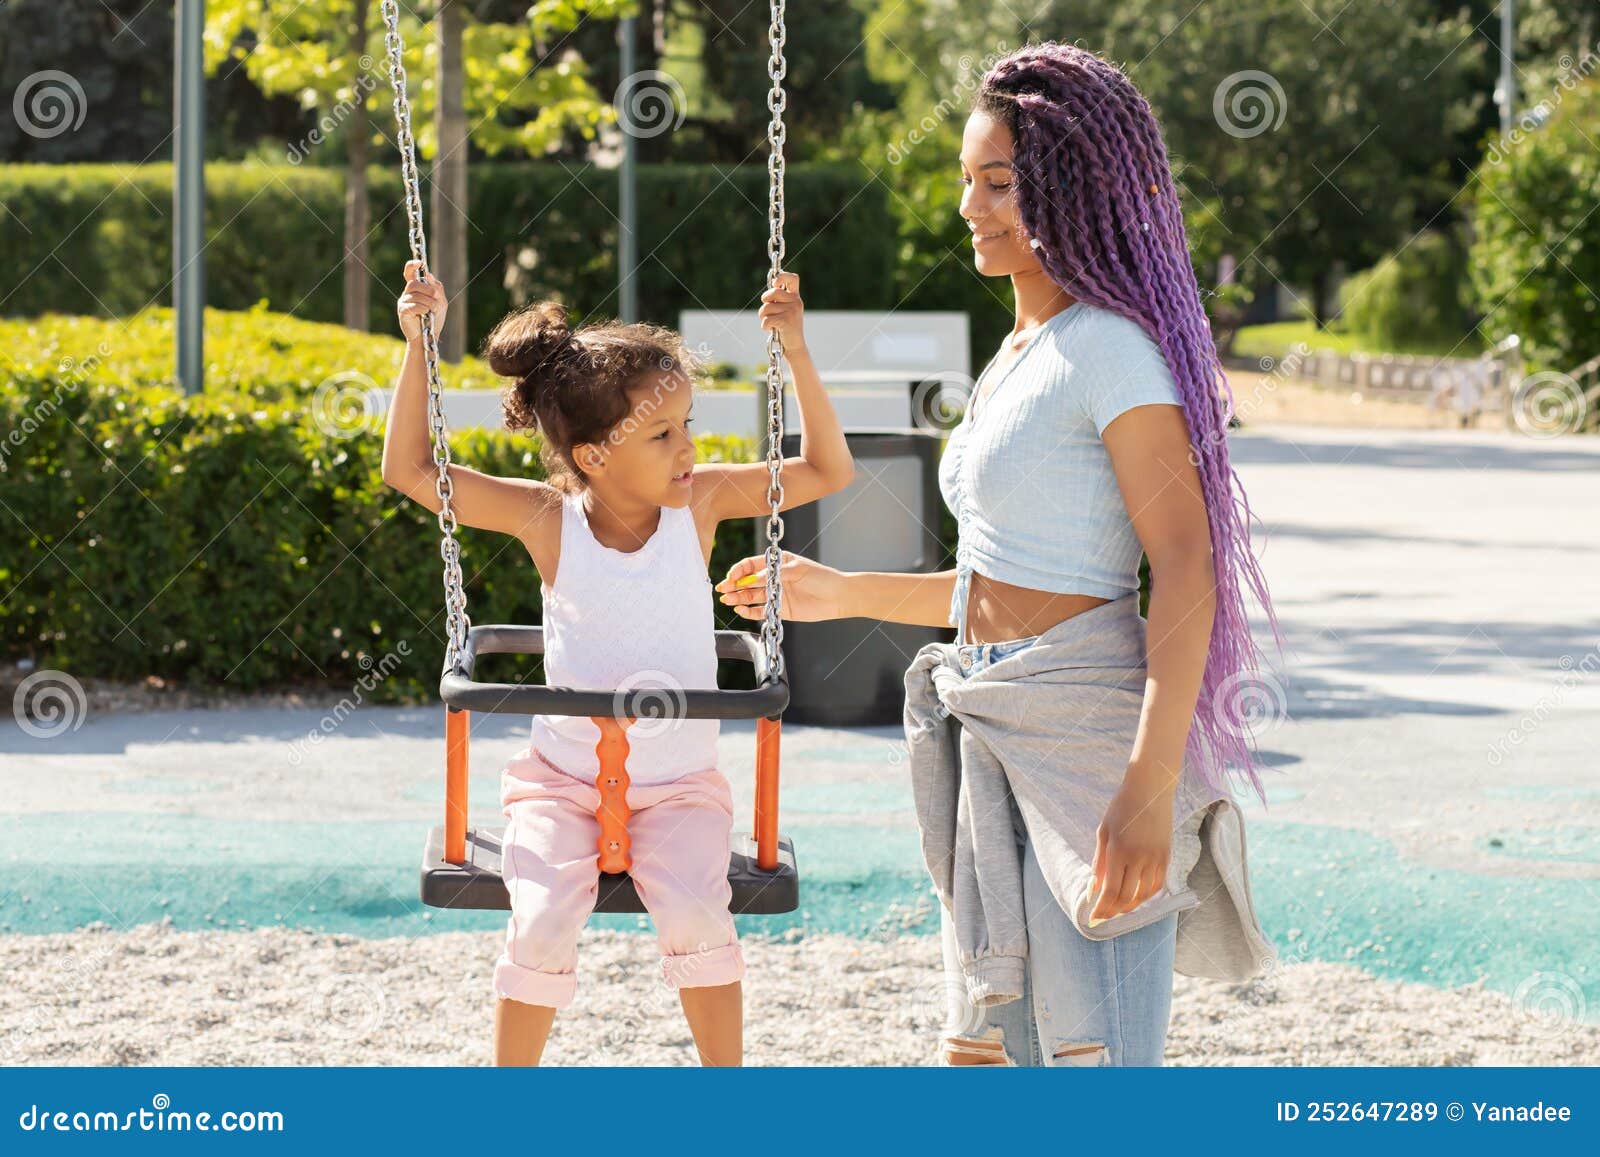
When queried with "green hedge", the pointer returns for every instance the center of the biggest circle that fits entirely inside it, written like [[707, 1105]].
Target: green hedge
[[229, 540], [270, 356], [96, 239]]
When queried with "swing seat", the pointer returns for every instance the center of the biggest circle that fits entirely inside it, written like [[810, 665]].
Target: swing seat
[[477, 883], [461, 866]]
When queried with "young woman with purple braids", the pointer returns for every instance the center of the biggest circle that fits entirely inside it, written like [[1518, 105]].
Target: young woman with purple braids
[[1097, 432]]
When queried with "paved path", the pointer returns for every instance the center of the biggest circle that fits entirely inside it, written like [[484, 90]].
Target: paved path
[[1435, 808]]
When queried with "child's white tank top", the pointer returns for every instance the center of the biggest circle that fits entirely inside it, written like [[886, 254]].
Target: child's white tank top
[[618, 620]]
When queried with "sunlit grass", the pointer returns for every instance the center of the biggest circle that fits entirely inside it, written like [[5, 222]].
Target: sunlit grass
[[1278, 338]]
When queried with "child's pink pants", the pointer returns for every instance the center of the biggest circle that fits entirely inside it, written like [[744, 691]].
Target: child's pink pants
[[551, 866]]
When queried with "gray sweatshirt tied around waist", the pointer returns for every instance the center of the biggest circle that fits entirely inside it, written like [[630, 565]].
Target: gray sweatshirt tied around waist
[[1052, 727]]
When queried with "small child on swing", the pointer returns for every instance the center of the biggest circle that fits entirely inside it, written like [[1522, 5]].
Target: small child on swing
[[621, 536]]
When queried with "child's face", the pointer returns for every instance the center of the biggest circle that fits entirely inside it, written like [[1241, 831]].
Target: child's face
[[650, 454]]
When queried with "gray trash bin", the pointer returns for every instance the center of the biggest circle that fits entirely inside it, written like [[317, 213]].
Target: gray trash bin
[[851, 672]]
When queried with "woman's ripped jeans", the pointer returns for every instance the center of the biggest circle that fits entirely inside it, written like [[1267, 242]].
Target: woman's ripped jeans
[[1084, 1002]]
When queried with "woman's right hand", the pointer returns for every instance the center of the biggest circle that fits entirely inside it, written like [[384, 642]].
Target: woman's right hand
[[420, 297], [811, 591]]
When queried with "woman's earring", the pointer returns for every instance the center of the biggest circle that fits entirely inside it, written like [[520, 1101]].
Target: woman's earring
[[1033, 243]]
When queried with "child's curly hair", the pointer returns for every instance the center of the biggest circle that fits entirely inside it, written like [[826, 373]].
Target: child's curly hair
[[573, 385]]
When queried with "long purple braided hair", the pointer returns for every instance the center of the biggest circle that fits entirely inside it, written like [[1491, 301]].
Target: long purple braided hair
[[1095, 189]]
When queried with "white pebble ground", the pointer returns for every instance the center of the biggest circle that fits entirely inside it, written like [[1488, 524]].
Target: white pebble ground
[[157, 996]]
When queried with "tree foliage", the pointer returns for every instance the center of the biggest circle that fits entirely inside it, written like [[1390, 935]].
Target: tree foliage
[[301, 48], [1535, 257], [1370, 104]]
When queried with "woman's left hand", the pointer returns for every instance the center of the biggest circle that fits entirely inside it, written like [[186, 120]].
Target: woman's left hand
[[1132, 850]]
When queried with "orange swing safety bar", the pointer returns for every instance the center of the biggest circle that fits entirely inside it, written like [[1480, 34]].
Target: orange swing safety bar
[[615, 845], [613, 812]]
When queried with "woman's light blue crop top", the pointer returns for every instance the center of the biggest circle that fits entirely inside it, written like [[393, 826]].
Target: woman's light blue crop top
[[1026, 474]]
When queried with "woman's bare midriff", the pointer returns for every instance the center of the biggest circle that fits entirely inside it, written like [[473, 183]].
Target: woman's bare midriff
[[997, 611]]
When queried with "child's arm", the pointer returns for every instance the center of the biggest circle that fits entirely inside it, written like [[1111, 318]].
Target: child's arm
[[516, 506], [824, 465]]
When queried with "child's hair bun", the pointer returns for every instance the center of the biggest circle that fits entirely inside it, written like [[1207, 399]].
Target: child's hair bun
[[573, 385], [534, 344]]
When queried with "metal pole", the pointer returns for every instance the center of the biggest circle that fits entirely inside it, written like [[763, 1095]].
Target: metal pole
[[1508, 78], [188, 194], [627, 194]]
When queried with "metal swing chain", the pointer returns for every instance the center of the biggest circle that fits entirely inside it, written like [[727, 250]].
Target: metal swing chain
[[772, 620], [455, 596], [457, 622]]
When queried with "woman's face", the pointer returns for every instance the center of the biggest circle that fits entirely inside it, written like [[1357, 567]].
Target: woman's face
[[988, 206]]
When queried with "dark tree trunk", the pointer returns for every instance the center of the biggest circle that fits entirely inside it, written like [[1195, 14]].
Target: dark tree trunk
[[448, 246], [357, 214], [1321, 286]]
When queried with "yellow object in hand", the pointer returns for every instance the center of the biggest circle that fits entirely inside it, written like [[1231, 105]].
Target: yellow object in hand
[[749, 580], [1094, 900]]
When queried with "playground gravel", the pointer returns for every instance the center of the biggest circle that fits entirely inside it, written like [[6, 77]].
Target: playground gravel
[[154, 995]]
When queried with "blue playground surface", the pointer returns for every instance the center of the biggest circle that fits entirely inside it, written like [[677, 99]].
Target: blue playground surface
[[1433, 812], [850, 816]]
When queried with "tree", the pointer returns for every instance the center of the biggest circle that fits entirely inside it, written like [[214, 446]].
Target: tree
[[1375, 101], [322, 53], [331, 55], [357, 210], [826, 74], [448, 251], [111, 61], [1535, 257], [1325, 130]]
